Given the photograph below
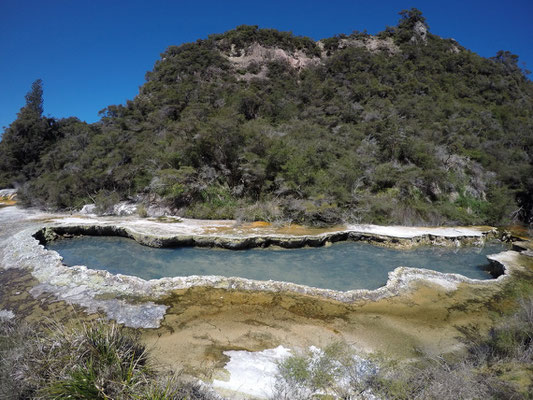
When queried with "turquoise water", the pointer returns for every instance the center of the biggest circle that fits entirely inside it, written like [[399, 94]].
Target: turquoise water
[[342, 266]]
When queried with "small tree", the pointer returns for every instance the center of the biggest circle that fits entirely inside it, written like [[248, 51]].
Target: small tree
[[410, 21], [34, 99], [410, 18], [25, 139], [507, 59]]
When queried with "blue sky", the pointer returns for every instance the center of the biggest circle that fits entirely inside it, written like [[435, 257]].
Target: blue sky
[[93, 53]]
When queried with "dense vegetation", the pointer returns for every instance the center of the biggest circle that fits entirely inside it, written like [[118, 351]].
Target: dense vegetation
[[401, 127]]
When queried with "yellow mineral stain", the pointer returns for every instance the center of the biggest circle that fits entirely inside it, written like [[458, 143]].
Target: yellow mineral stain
[[295, 229], [519, 231], [202, 323], [259, 224], [10, 200], [266, 228]]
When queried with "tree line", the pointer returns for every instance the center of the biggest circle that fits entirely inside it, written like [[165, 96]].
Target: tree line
[[416, 131]]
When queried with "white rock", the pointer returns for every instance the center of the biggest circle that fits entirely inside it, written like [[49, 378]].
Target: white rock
[[125, 208], [253, 373], [88, 209], [409, 232], [6, 315], [7, 192], [19, 249]]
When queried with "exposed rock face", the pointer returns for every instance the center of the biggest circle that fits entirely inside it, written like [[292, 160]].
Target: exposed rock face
[[454, 47], [159, 210], [372, 44], [257, 53], [420, 32], [88, 209], [128, 208], [6, 315], [125, 208]]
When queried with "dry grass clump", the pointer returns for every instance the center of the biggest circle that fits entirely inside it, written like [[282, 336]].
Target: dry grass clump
[[440, 379], [96, 360], [512, 340], [16, 341]]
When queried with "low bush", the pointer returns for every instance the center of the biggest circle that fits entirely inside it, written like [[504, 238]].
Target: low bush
[[268, 211], [440, 379], [410, 132], [335, 372]]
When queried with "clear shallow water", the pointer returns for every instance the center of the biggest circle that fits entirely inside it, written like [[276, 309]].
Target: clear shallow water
[[342, 266]]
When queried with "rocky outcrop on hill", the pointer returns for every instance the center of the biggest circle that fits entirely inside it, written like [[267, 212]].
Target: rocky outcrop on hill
[[259, 54]]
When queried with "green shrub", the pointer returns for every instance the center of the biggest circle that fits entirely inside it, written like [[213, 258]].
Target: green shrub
[[268, 211], [512, 339], [315, 374]]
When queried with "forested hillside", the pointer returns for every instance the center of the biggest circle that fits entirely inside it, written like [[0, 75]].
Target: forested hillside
[[401, 127]]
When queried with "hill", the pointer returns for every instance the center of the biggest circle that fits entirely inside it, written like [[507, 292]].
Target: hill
[[400, 127]]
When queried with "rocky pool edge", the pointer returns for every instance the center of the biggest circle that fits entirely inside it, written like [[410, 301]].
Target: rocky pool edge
[[124, 298]]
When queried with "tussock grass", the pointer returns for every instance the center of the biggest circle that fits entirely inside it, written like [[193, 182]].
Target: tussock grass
[[96, 360]]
